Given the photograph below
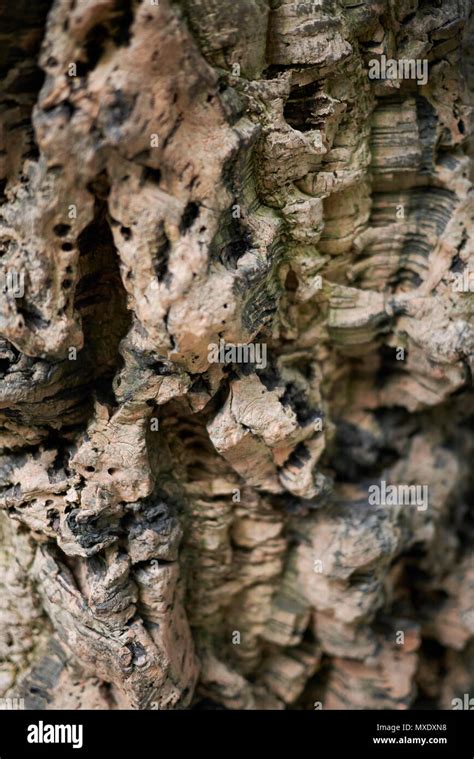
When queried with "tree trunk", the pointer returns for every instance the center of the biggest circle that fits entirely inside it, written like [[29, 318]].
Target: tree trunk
[[236, 354]]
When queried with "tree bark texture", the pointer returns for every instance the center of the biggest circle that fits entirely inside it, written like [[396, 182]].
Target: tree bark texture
[[181, 532]]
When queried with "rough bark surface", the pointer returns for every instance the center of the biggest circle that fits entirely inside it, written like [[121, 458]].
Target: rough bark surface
[[178, 533]]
